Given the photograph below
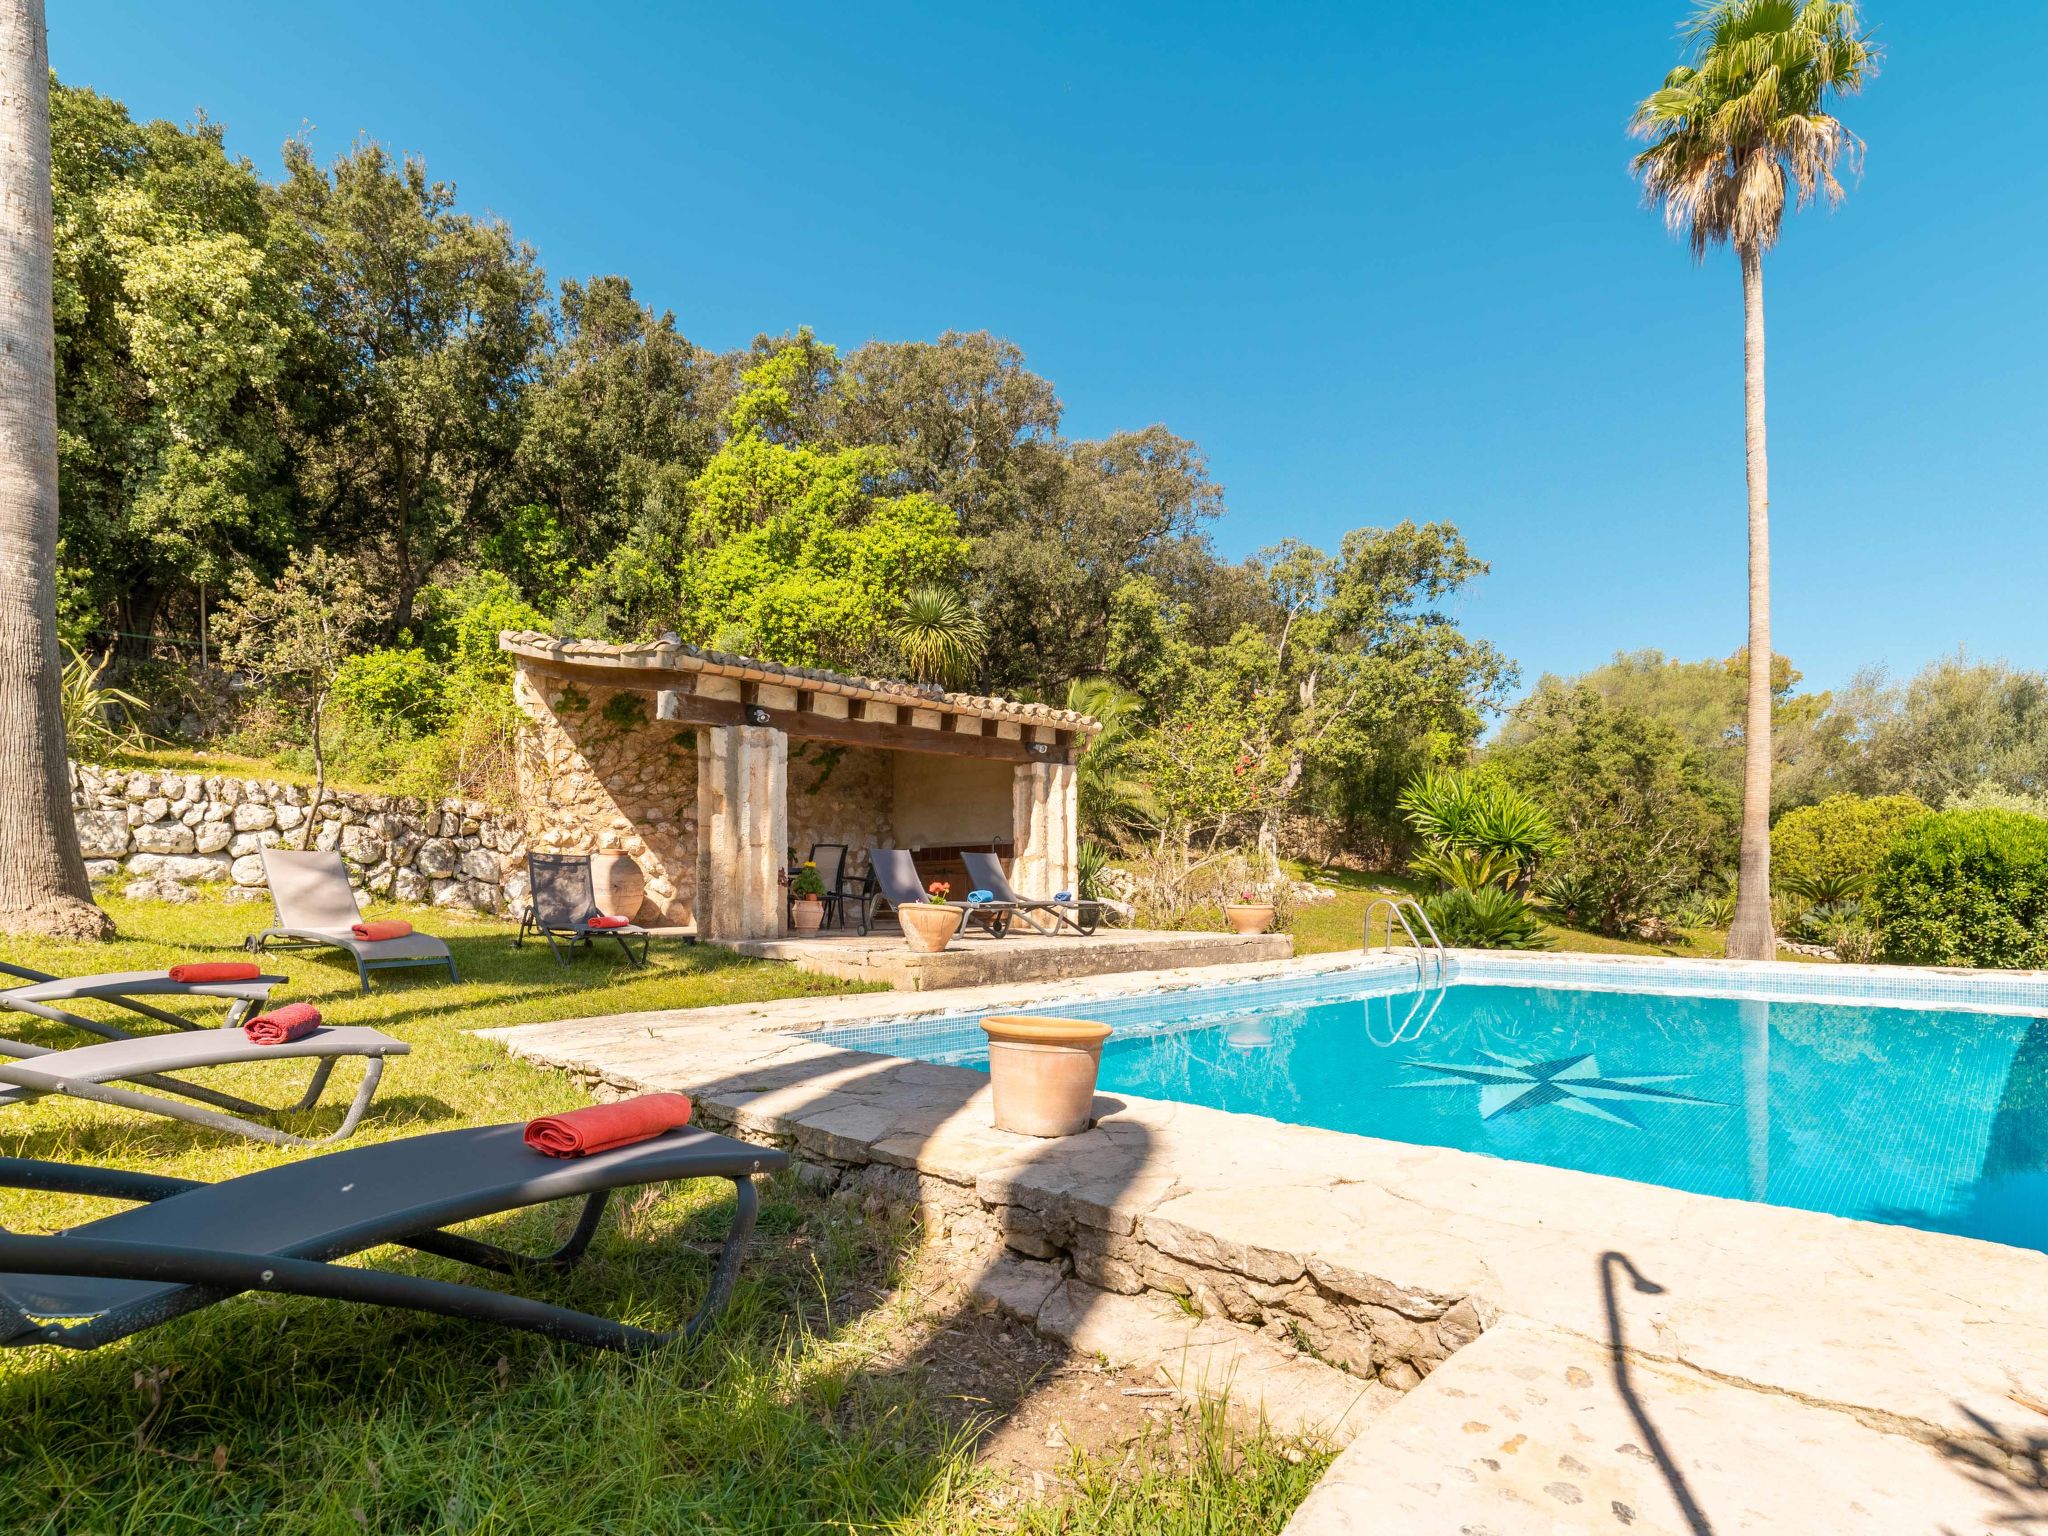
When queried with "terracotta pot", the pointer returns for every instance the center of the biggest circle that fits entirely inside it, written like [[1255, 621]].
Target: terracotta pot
[[1043, 1073], [621, 887], [930, 926], [808, 915], [1249, 916]]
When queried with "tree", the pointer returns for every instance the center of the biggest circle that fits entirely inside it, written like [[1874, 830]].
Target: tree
[[293, 636], [433, 319], [1642, 818], [43, 888], [1730, 135]]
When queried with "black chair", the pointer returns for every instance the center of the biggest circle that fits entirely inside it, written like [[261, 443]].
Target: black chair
[[562, 900], [831, 861]]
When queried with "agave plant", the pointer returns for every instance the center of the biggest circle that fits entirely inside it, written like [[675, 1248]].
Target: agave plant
[[940, 635], [89, 730], [1485, 918]]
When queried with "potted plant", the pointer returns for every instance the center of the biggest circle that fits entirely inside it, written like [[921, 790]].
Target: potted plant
[[807, 915], [1248, 914], [930, 925], [1042, 1072]]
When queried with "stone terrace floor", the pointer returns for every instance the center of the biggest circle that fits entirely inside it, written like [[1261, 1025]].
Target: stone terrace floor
[[1523, 1349]]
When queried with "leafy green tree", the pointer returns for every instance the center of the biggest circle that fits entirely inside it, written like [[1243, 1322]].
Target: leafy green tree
[[1955, 725], [615, 425], [1642, 818], [181, 346], [434, 320], [1733, 136]]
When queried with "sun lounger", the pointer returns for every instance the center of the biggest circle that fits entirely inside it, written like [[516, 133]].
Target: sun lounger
[[121, 989], [96, 1074], [190, 1245], [316, 908], [986, 871], [896, 883], [562, 906]]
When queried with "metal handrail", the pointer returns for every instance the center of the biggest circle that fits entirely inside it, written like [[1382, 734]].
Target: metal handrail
[[1394, 905]]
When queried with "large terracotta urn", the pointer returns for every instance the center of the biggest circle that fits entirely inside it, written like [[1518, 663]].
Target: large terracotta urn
[[1043, 1072], [930, 925], [807, 915], [621, 886]]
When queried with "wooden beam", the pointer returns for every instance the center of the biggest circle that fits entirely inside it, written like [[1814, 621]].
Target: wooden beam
[[947, 739]]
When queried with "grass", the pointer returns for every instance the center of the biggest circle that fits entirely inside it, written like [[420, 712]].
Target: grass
[[1324, 926], [796, 1414]]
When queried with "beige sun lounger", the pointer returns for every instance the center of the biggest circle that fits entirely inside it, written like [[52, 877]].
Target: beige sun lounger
[[316, 907]]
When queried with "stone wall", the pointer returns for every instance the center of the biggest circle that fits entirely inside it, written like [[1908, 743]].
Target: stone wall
[[841, 795], [184, 836], [598, 771]]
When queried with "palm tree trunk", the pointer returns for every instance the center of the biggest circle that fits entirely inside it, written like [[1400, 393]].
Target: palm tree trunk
[[43, 888], [1750, 936]]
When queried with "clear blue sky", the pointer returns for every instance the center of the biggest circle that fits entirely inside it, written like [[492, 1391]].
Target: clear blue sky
[[1380, 261]]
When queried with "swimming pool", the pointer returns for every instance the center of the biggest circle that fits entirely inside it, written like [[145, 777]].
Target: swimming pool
[[1928, 1113]]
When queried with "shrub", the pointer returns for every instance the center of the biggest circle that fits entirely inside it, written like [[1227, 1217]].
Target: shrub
[[1965, 888], [393, 688], [1486, 918], [1827, 853]]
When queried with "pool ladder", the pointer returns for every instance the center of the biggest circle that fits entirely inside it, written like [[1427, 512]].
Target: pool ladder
[[1428, 954]]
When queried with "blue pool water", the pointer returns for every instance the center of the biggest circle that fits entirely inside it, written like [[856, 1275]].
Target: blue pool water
[[1924, 1117]]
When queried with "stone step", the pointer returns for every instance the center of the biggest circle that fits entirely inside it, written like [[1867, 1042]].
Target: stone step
[[1201, 1358], [1529, 1432]]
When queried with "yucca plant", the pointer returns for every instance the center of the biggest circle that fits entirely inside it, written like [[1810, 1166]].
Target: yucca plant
[[1476, 830], [1486, 918], [1465, 869], [1829, 888], [89, 729], [940, 635]]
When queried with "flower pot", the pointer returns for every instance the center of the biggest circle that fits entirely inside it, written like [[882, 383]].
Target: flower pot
[[620, 885], [808, 915], [1043, 1073], [930, 926], [1249, 916]]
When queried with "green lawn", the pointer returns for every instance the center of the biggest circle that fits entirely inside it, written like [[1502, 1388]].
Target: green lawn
[[1323, 926], [807, 1410]]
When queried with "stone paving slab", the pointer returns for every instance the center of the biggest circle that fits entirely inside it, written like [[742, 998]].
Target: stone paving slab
[[1531, 1432], [1387, 1257]]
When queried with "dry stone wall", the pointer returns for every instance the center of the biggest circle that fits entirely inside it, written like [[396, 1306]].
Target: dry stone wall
[[841, 795], [188, 836], [598, 771]]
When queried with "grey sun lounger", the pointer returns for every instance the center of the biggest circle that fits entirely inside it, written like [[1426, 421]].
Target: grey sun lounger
[[43, 992], [316, 907], [986, 871], [98, 1073], [893, 874], [189, 1245], [562, 900]]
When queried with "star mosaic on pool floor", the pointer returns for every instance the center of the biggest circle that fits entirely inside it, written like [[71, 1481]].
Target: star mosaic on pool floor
[[1570, 1082]]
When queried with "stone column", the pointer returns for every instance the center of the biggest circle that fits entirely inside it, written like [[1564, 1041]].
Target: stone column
[[742, 831], [1044, 826]]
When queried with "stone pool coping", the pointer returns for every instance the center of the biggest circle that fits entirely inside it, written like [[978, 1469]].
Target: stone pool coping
[[1385, 1258]]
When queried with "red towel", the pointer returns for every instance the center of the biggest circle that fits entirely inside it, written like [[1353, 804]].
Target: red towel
[[281, 1026], [609, 922], [600, 1128], [215, 970], [381, 928]]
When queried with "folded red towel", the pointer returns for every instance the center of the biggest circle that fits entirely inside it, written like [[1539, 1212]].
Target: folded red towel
[[609, 922], [215, 970], [281, 1026], [600, 1128], [381, 928]]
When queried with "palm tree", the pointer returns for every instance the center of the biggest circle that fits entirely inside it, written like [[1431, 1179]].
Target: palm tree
[[1110, 795], [941, 637], [1732, 137], [43, 888]]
